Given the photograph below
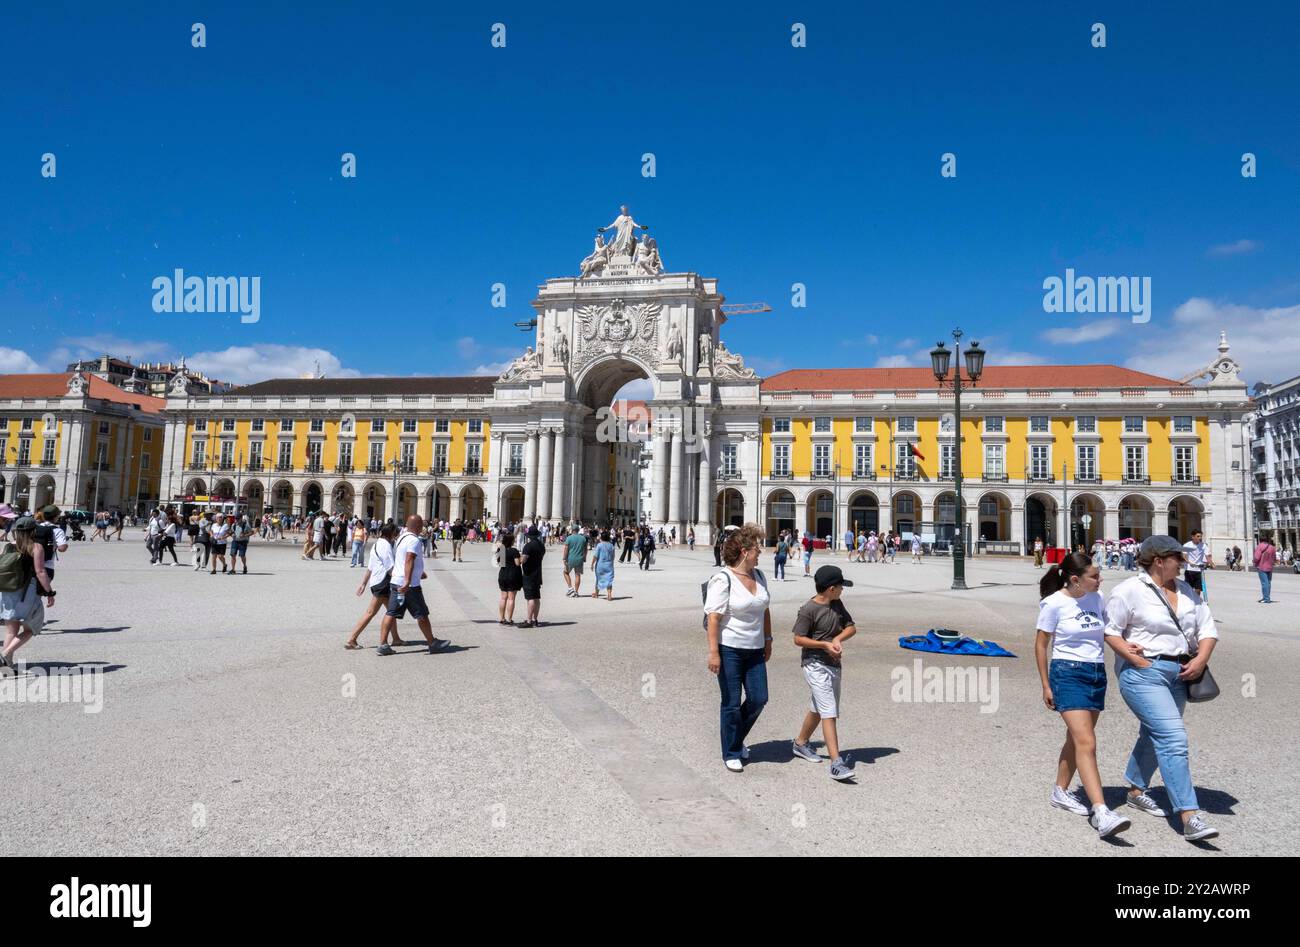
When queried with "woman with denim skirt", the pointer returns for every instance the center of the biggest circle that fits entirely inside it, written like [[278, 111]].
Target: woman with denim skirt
[[1163, 633], [1072, 622], [740, 640]]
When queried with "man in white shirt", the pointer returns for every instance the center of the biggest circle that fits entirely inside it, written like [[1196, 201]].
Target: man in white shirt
[[1198, 560], [406, 593]]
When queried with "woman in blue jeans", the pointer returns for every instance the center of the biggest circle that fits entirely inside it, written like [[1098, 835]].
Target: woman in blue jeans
[[740, 640], [782, 553], [1164, 634]]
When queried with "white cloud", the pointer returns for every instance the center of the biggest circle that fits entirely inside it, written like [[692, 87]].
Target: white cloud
[[75, 348], [870, 339], [895, 361], [245, 364], [492, 368], [1236, 248], [638, 389], [16, 361], [765, 366], [1088, 332], [1265, 341], [1014, 358]]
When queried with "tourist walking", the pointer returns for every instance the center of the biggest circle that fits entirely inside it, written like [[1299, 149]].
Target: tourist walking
[[1071, 628], [406, 594], [821, 627], [52, 537], [510, 578], [220, 536], [530, 563], [647, 549], [376, 580], [782, 554], [629, 544], [740, 640], [602, 564], [1164, 635], [358, 542], [457, 540], [1198, 560], [1264, 559], [718, 539], [575, 554], [22, 580], [240, 533]]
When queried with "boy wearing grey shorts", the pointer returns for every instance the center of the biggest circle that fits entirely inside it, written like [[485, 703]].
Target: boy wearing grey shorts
[[820, 629]]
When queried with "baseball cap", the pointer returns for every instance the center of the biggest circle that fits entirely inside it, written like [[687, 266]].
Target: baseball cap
[[24, 524], [1158, 546], [830, 575], [50, 511]]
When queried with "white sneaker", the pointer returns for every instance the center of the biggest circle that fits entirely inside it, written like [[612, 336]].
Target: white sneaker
[[1107, 823], [1068, 801], [736, 766]]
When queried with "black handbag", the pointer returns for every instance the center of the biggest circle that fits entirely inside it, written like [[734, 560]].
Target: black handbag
[[1199, 689]]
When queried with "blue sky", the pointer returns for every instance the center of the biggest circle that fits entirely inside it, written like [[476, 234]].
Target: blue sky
[[775, 165]]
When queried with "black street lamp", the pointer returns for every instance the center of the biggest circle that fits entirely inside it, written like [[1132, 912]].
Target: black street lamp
[[940, 359]]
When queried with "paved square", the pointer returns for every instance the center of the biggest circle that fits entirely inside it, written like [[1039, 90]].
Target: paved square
[[234, 722]]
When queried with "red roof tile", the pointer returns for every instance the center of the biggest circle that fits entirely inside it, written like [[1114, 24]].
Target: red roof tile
[[55, 385], [995, 376]]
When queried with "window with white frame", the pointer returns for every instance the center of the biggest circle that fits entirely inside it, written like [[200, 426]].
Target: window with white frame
[[947, 453], [198, 454], [1085, 465], [440, 457], [862, 460], [1134, 424], [1184, 464], [728, 465], [1135, 462], [376, 425], [286, 425], [821, 460], [148, 434], [258, 425], [285, 457], [821, 425], [473, 453], [227, 457], [145, 461], [1183, 424], [316, 425], [905, 463], [314, 449], [408, 457], [255, 455], [200, 424], [1039, 424], [474, 426], [345, 455], [408, 425], [227, 425], [376, 455], [516, 458], [863, 425], [994, 460], [1040, 462], [993, 424], [907, 425], [780, 460], [1085, 424], [780, 425], [441, 425], [47, 454]]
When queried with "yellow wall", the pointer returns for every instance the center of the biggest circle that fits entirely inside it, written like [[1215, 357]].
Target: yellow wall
[[972, 449], [1202, 428], [765, 454], [801, 448], [1017, 456], [1160, 459], [927, 442], [1110, 452], [1063, 445]]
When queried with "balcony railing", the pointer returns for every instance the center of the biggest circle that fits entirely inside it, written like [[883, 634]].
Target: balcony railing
[[374, 468], [823, 475], [226, 465], [472, 470], [1186, 481], [314, 466], [995, 477], [49, 463], [513, 472], [438, 470], [1041, 478], [864, 475], [343, 469], [284, 468], [406, 467], [1087, 478], [906, 476], [254, 466], [196, 463], [730, 475], [1135, 479], [780, 475]]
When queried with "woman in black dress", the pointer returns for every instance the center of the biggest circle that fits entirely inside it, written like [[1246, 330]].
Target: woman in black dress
[[510, 578]]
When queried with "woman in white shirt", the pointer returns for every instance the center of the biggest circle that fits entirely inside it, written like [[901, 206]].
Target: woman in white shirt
[[380, 570], [740, 640], [1072, 621], [1164, 635]]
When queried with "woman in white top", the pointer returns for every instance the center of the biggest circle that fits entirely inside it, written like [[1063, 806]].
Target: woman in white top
[[1164, 635], [379, 569], [1072, 622], [740, 640]]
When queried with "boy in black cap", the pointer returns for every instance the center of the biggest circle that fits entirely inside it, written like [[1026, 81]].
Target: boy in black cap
[[820, 629]]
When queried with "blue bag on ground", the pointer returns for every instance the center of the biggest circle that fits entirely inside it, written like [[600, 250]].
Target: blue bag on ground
[[963, 645]]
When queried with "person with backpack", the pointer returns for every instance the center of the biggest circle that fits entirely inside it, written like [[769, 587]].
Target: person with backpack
[[22, 579], [739, 626], [240, 533], [53, 540], [782, 554], [647, 548]]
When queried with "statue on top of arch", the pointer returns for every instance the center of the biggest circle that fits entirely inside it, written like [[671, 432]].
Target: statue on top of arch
[[622, 252]]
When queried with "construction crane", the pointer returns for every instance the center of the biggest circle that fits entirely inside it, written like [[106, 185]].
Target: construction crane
[[526, 325], [738, 309]]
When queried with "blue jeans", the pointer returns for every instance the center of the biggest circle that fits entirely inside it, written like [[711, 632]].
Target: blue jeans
[[1156, 696], [357, 546], [1266, 585], [741, 669], [778, 569]]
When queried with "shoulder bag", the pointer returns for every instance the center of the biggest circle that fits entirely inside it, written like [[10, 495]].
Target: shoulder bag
[[1200, 689]]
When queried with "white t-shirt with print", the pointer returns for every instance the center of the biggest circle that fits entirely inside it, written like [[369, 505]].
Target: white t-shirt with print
[[1077, 626]]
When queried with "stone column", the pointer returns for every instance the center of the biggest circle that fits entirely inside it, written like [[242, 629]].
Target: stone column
[[1112, 525], [704, 495], [560, 476], [659, 479], [1018, 530], [676, 476], [544, 473], [530, 476], [1160, 521]]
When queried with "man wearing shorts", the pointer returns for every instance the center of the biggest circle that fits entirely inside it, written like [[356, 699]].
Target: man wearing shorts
[[405, 591], [1198, 560], [530, 562], [575, 552], [820, 629]]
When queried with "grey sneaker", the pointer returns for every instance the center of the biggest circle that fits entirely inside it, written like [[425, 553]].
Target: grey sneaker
[[439, 644], [841, 769], [384, 649], [805, 751], [1106, 822], [1068, 801], [744, 752], [1196, 829], [1144, 803]]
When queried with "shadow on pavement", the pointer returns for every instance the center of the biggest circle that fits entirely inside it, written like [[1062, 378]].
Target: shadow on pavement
[[54, 667], [90, 631]]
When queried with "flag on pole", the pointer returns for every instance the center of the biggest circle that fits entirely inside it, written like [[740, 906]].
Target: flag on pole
[[915, 452]]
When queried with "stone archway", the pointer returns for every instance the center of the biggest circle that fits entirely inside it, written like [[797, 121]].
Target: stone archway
[[374, 501], [864, 512], [471, 503], [779, 510], [343, 498], [907, 513], [1186, 516], [819, 514], [1136, 517], [255, 493], [1041, 519], [43, 494], [512, 504], [313, 498], [1090, 505]]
